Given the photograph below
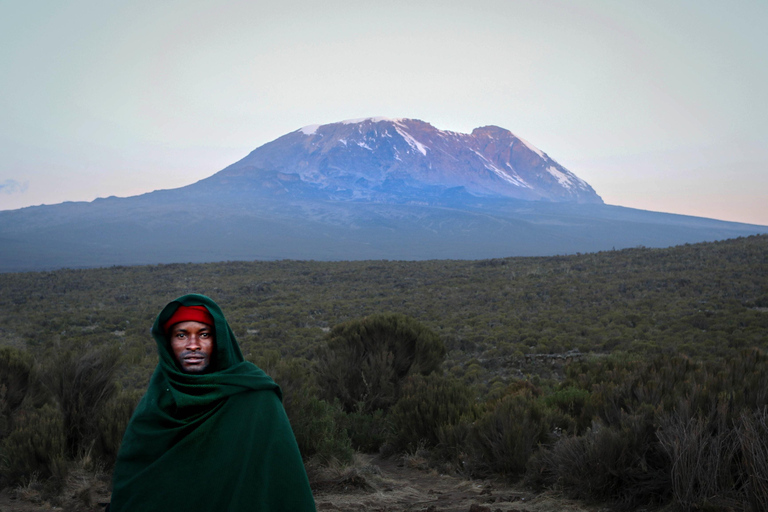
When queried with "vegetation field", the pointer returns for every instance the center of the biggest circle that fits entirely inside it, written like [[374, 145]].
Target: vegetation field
[[637, 377]]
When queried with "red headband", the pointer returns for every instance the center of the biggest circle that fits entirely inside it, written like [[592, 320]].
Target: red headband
[[189, 314]]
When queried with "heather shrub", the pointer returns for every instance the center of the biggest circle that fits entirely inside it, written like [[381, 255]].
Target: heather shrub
[[82, 385], [628, 386], [623, 464], [505, 436], [573, 402], [426, 405], [294, 376], [15, 381], [364, 361], [752, 438], [702, 455], [112, 422], [319, 431], [673, 383], [745, 378], [317, 424], [35, 448], [667, 426], [367, 432], [453, 446]]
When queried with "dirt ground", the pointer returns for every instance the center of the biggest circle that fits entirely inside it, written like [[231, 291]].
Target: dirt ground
[[398, 485], [371, 484]]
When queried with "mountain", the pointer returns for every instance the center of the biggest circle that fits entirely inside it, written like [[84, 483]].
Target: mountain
[[366, 189], [406, 160]]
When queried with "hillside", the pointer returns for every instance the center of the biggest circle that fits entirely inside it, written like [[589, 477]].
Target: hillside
[[702, 300], [592, 376]]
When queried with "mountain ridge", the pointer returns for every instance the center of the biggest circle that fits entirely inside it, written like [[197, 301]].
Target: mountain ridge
[[308, 195]]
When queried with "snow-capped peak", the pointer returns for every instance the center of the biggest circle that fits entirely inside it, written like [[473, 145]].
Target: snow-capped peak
[[372, 119], [309, 129], [485, 162]]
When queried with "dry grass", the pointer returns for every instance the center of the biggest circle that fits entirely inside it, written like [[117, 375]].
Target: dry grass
[[752, 436], [702, 456]]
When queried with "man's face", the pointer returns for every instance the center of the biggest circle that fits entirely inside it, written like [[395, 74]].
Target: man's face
[[192, 344]]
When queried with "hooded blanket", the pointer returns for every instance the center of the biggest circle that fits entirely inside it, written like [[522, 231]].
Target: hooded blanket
[[217, 441]]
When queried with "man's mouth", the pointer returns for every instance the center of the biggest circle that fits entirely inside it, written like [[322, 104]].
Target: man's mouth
[[193, 359]]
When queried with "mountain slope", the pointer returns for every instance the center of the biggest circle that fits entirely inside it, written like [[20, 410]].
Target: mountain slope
[[393, 189]]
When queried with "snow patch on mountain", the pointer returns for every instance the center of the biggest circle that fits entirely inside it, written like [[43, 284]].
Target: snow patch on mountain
[[532, 147], [566, 180], [416, 145], [309, 129], [372, 119], [516, 181]]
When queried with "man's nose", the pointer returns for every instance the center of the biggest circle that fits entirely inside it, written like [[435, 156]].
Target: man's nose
[[193, 342]]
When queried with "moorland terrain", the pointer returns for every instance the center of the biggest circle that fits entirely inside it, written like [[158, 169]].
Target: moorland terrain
[[634, 378]]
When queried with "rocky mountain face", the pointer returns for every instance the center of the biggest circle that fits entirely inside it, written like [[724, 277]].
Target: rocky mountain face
[[405, 161]]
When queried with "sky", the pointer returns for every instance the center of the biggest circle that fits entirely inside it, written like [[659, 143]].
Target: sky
[[658, 104]]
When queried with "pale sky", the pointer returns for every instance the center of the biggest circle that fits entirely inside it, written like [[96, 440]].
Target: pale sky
[[658, 104]]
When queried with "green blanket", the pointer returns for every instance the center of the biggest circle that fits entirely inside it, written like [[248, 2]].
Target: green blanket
[[218, 441]]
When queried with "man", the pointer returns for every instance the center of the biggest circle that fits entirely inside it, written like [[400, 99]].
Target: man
[[210, 434]]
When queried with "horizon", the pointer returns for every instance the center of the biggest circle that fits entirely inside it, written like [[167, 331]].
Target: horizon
[[657, 105]]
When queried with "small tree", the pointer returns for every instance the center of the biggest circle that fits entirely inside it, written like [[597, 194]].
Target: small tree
[[365, 361]]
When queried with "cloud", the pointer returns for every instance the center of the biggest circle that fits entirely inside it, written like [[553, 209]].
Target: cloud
[[13, 187]]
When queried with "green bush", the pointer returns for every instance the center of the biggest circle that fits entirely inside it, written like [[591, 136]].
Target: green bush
[[365, 361], [503, 439], [623, 463], [702, 459], [82, 385], [573, 402], [15, 381], [319, 431], [112, 421], [367, 431], [426, 405], [36, 448], [752, 436], [318, 425]]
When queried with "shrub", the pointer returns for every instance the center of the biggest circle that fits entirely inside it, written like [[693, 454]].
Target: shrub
[[502, 439], [368, 432], [752, 435], [453, 445], [624, 464], [15, 380], [426, 405], [319, 431], [82, 385], [112, 422], [701, 452], [575, 403], [364, 361], [317, 424], [35, 448]]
